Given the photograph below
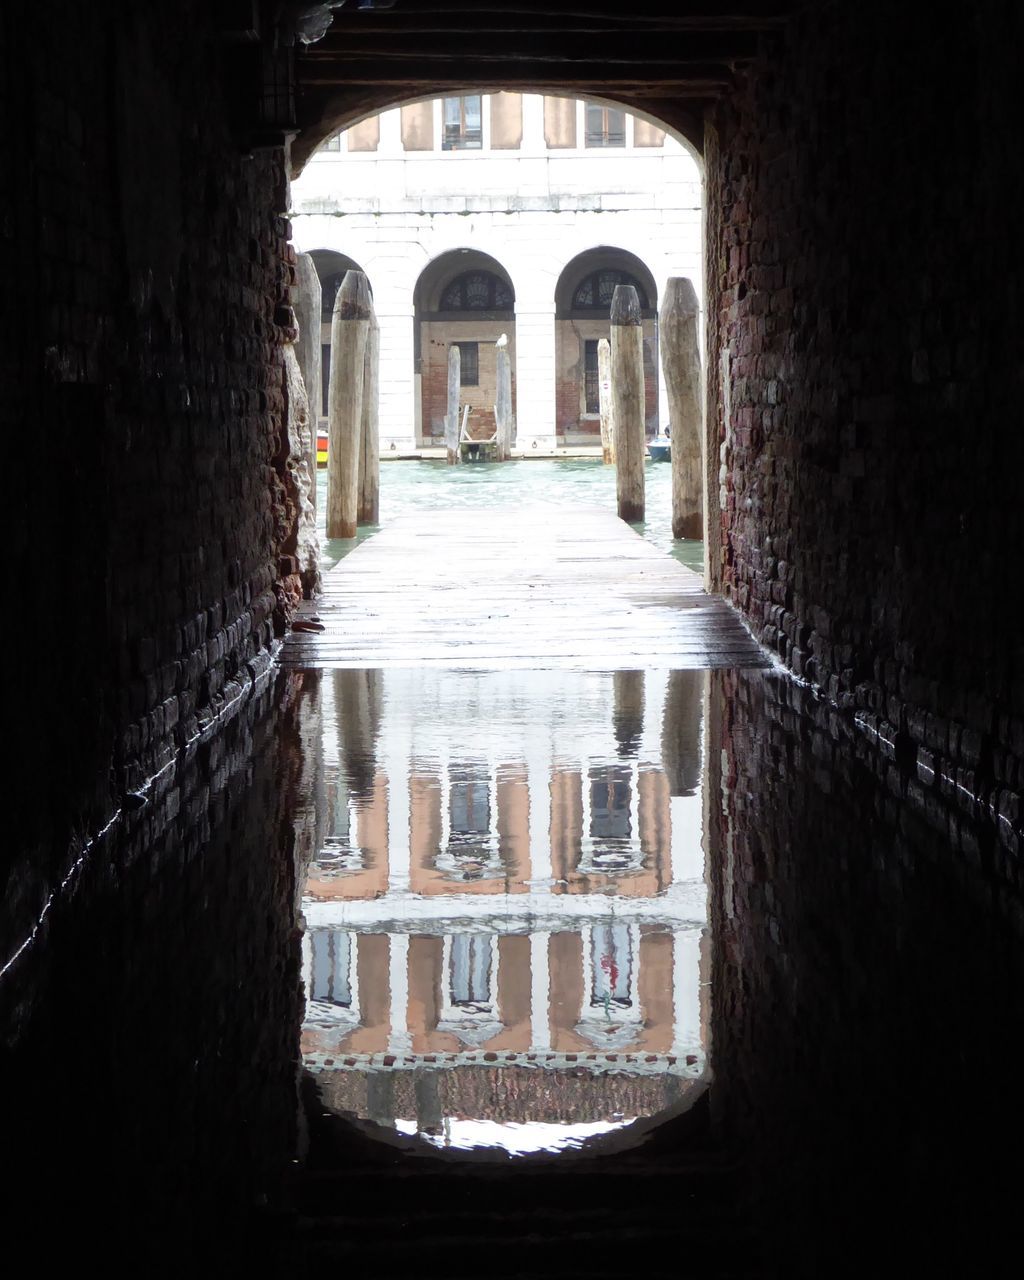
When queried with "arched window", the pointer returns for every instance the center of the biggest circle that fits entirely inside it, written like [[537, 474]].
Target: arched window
[[329, 287], [477, 291], [594, 291]]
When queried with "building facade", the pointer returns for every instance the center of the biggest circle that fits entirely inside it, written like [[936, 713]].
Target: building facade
[[487, 215]]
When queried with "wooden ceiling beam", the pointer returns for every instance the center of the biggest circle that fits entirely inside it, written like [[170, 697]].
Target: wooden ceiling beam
[[694, 47], [479, 15], [686, 81]]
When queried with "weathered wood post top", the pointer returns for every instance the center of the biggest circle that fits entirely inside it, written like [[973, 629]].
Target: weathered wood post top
[[627, 375], [680, 360], [350, 325]]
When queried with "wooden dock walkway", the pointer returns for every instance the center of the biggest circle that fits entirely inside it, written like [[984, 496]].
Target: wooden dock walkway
[[567, 587]]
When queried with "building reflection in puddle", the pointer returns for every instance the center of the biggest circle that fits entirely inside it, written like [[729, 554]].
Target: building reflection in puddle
[[506, 910]]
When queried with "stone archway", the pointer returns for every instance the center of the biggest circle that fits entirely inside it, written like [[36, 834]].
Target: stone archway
[[330, 268], [582, 300], [466, 297]]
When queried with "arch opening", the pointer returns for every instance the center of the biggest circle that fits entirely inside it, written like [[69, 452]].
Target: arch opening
[[554, 198], [331, 267], [583, 297], [463, 298]]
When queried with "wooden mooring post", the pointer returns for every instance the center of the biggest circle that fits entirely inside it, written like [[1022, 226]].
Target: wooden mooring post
[[308, 301], [369, 439], [680, 360], [604, 385], [350, 325], [503, 401], [451, 421], [627, 370]]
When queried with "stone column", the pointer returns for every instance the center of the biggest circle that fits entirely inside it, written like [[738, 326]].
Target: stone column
[[349, 327], [604, 380], [627, 369], [369, 437], [535, 378], [399, 404], [308, 303], [451, 422], [680, 357], [503, 401]]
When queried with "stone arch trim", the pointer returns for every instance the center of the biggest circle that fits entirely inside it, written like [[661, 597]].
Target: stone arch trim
[[328, 112], [441, 272], [331, 265], [600, 258]]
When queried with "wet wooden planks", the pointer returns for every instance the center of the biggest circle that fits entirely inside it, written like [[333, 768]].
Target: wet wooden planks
[[557, 587]]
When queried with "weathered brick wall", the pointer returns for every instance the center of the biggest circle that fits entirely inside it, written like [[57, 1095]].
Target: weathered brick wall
[[864, 266], [436, 337], [866, 985], [150, 1028], [146, 302]]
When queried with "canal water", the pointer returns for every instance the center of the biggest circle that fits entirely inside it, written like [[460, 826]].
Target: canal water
[[410, 487]]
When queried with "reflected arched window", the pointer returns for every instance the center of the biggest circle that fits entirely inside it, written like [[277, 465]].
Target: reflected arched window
[[329, 287], [594, 291], [477, 291]]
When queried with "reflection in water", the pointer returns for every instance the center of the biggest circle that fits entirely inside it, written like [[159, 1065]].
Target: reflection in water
[[866, 1019], [506, 901]]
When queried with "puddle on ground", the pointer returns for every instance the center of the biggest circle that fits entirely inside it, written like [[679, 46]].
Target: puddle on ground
[[505, 915]]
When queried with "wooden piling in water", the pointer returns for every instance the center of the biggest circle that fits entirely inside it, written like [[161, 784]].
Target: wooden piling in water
[[349, 327], [681, 731], [680, 360], [604, 383], [308, 301], [503, 401], [369, 438], [627, 396], [451, 421]]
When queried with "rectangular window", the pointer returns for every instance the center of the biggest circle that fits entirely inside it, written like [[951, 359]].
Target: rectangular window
[[471, 961], [591, 381], [610, 804], [332, 144], [469, 354], [606, 126], [463, 124], [611, 962], [331, 966]]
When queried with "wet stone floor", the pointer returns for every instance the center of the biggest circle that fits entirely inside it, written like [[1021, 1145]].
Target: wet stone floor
[[520, 972]]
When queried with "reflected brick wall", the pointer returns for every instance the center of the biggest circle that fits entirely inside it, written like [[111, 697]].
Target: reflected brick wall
[[867, 1011], [150, 1055]]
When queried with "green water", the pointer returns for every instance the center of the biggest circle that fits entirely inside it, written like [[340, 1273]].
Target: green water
[[410, 487]]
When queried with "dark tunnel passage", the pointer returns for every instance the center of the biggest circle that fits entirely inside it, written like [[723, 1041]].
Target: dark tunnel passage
[[862, 828]]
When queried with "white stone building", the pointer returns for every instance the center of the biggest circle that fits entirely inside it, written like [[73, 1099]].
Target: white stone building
[[514, 214]]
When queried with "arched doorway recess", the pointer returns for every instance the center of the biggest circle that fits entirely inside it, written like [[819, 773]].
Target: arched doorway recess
[[464, 297], [330, 268], [583, 297]]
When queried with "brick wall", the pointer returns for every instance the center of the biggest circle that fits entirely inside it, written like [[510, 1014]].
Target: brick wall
[[150, 1032], [435, 337], [864, 265], [866, 985], [148, 278]]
